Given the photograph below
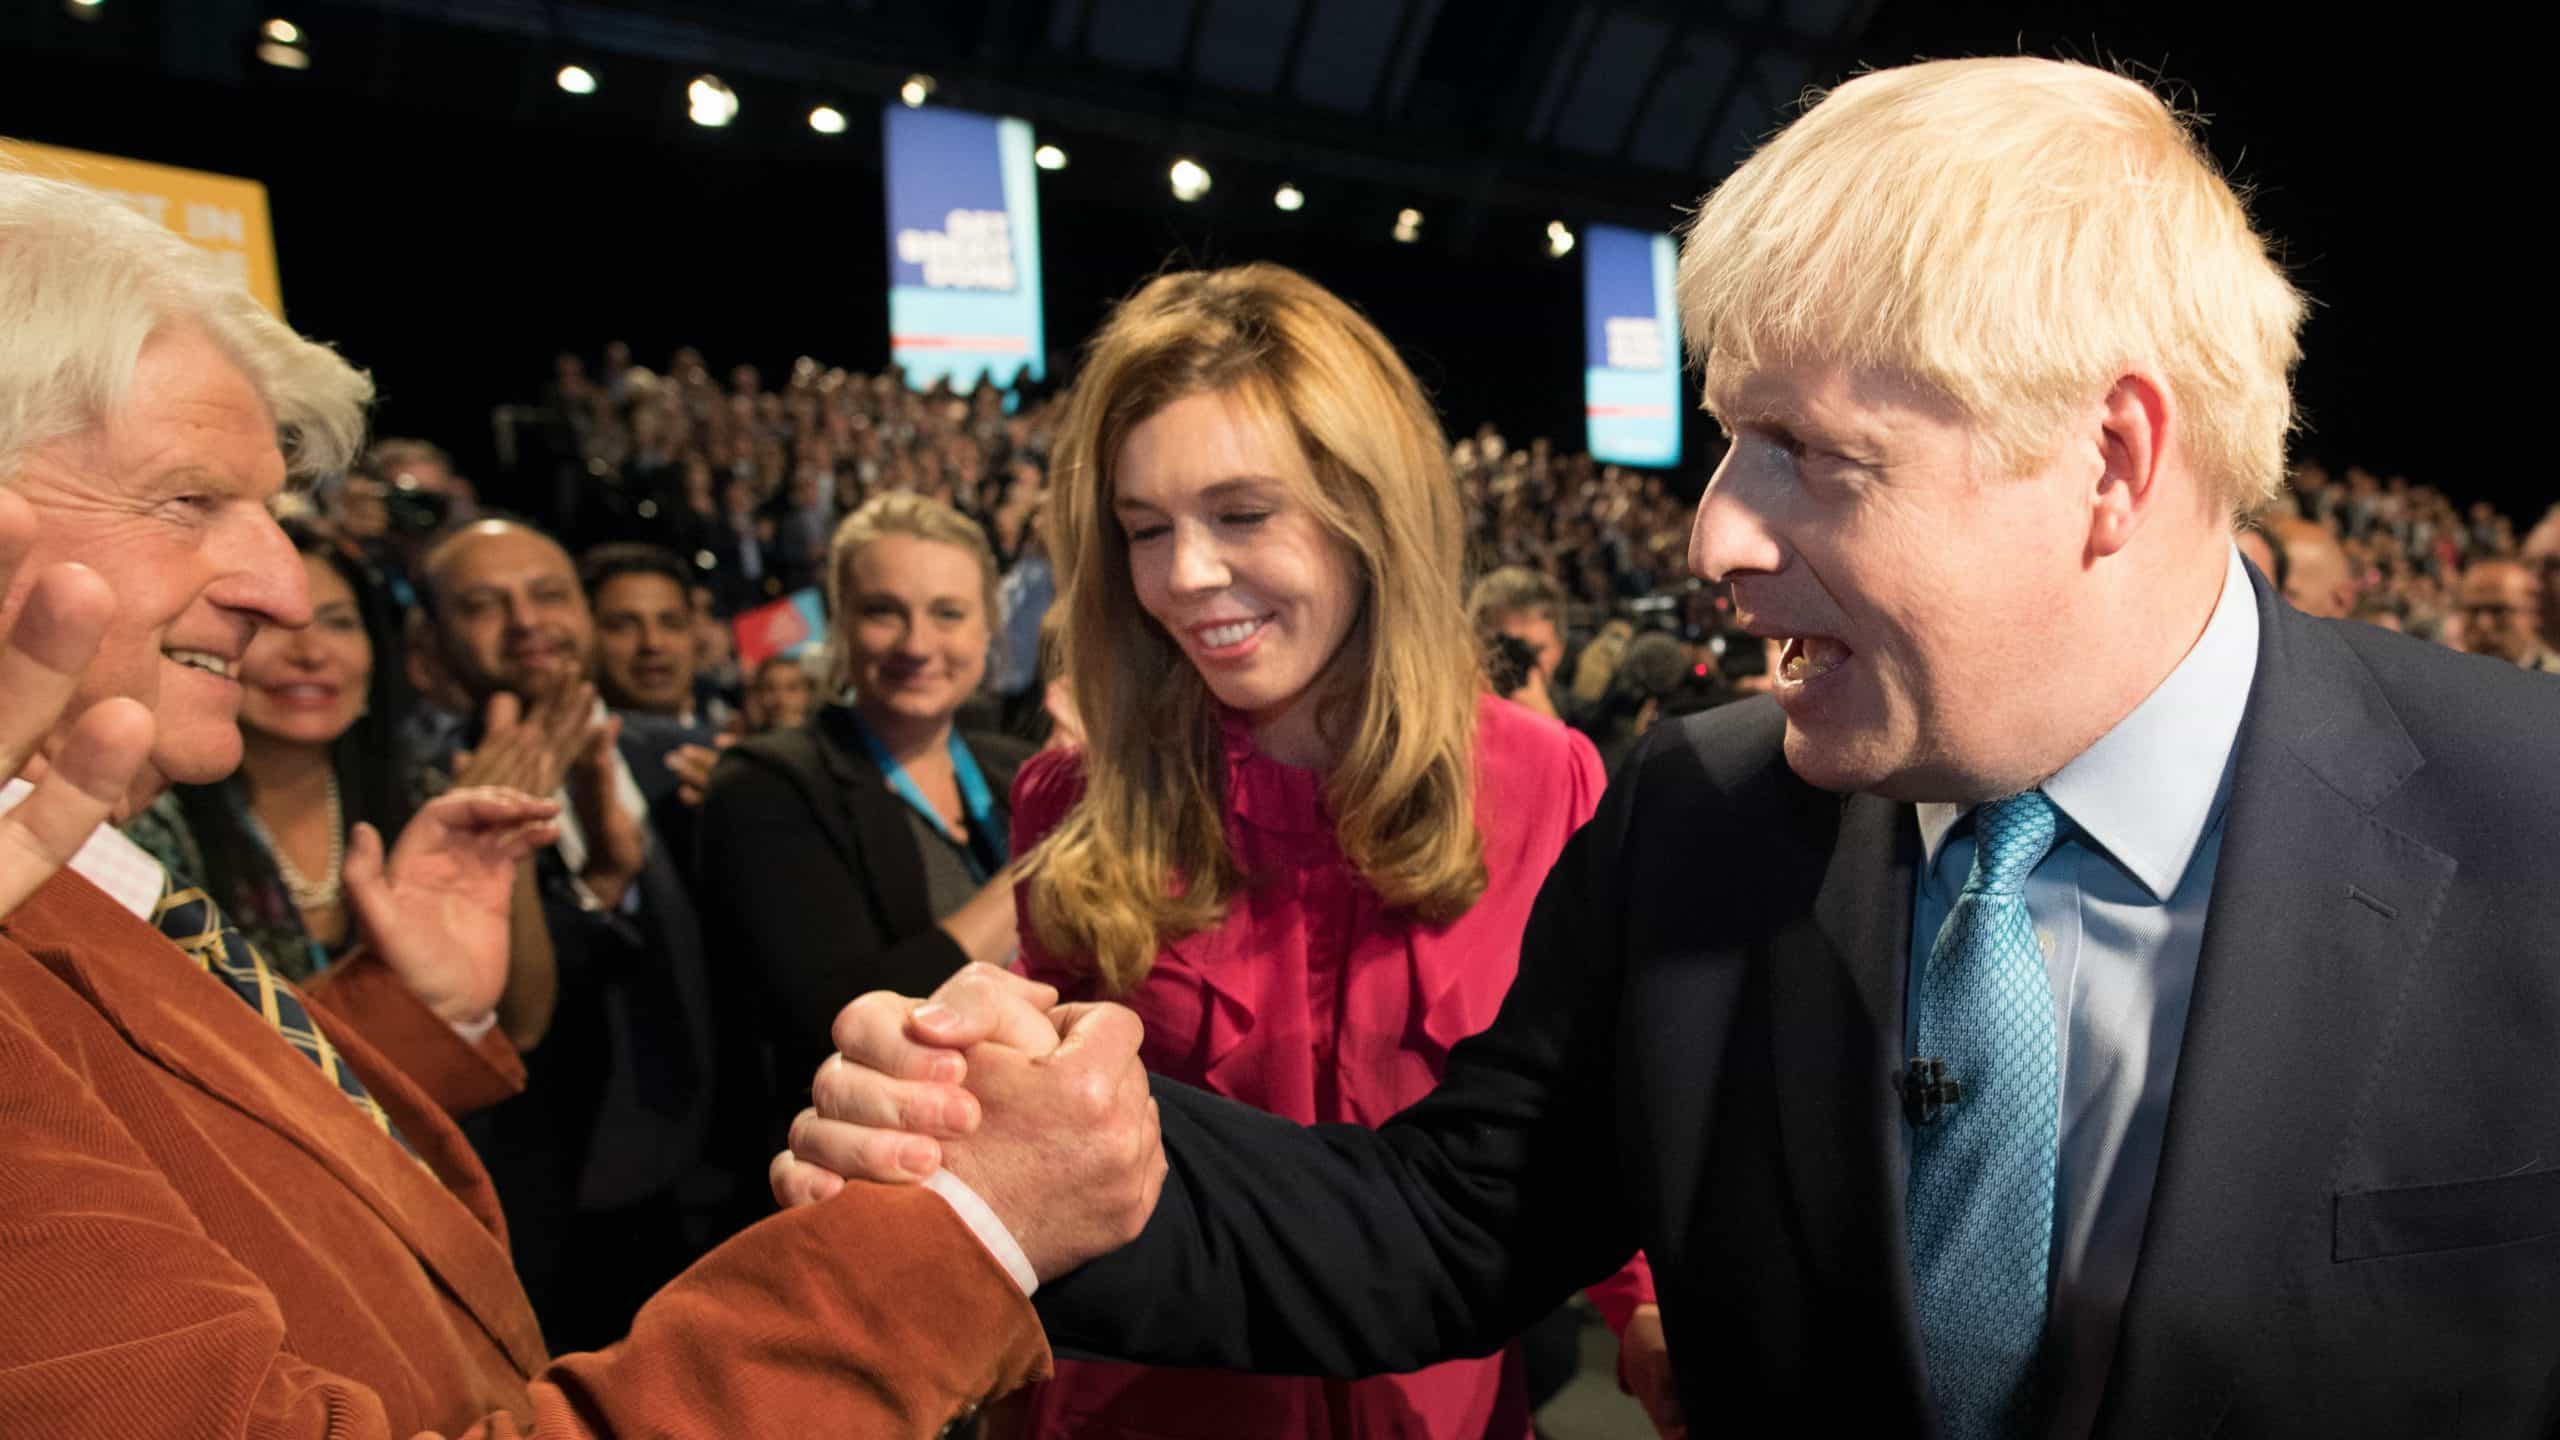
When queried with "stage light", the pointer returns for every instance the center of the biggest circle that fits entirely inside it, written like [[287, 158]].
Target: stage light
[[1408, 226], [283, 32], [284, 57], [1049, 157], [577, 79], [1559, 239], [1190, 181], [1289, 197], [83, 9], [827, 120], [710, 101], [917, 90]]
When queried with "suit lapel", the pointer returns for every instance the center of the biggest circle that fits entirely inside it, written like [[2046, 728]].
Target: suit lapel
[[879, 843], [2319, 918], [191, 1025], [1836, 974]]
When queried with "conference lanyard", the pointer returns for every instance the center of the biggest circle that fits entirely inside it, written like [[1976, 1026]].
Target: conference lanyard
[[974, 794]]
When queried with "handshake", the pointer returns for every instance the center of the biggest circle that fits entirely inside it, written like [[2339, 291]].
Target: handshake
[[1040, 1108]]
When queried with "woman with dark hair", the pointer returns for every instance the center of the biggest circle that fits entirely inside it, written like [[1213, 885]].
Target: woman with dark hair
[[320, 714]]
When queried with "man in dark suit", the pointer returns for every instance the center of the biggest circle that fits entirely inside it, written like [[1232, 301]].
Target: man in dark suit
[[601, 1160], [2087, 998]]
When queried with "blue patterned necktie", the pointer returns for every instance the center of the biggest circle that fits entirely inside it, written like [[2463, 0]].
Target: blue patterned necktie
[[195, 925], [1981, 1195]]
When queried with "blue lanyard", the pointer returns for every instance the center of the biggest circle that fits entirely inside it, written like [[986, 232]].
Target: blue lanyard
[[974, 794]]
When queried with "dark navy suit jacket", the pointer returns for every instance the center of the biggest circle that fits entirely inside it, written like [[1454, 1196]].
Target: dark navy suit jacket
[[2356, 1225]]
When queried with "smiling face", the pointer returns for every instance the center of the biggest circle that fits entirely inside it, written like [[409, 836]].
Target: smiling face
[[509, 611], [309, 685], [917, 629], [1226, 555], [167, 502], [1926, 604], [644, 643]]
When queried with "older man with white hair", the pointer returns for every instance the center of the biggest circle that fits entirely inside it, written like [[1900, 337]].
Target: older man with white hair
[[2090, 997], [232, 1207]]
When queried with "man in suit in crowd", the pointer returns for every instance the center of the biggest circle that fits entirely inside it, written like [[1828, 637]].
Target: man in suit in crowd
[[601, 1160], [231, 1207], [2090, 997]]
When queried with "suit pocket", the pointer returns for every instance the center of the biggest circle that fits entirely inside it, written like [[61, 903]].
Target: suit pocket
[[2371, 1224]]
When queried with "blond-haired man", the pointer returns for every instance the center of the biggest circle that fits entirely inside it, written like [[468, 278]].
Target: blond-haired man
[[2090, 997]]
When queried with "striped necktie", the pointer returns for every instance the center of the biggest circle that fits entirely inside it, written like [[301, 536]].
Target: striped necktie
[[1981, 1193], [195, 925]]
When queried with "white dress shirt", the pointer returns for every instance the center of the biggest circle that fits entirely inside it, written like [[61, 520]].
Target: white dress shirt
[[2119, 906]]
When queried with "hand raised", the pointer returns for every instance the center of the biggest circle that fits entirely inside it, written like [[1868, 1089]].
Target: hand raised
[[437, 914], [55, 635]]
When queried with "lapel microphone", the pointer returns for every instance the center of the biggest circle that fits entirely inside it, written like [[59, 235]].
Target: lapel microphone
[[1928, 1091]]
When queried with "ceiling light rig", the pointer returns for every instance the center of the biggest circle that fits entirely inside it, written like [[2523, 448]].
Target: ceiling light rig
[[1408, 225], [710, 102], [1559, 239], [576, 79], [918, 89], [1289, 197], [1190, 179], [1049, 157], [827, 120], [280, 44]]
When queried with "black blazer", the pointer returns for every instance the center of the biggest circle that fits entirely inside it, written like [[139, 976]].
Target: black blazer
[[2356, 1225], [810, 884]]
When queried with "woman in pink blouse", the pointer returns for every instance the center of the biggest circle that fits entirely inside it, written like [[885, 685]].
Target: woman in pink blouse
[[1300, 839]]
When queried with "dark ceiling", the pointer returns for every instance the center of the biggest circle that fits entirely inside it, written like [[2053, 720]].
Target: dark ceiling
[[1599, 108]]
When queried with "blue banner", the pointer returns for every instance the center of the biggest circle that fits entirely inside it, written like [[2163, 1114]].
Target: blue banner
[[1631, 347], [964, 247]]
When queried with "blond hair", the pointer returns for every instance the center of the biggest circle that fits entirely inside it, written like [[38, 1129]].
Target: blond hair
[[86, 281], [1143, 856], [2014, 235], [896, 512]]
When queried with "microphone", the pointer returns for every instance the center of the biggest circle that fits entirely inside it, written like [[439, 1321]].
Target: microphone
[[1928, 1091]]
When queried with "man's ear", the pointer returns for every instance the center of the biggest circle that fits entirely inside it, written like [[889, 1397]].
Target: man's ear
[[2134, 423]]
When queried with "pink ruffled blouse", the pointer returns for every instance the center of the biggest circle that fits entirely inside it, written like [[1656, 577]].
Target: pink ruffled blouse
[[1314, 1001]]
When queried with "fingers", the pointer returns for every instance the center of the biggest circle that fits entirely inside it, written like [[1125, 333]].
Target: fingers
[[490, 807], [361, 873], [79, 792], [796, 1182], [66, 613], [503, 715], [872, 1032], [984, 1004], [860, 1152], [844, 1091]]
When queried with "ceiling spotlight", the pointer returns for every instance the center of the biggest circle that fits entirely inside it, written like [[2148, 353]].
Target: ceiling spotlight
[[917, 90], [1408, 225], [1190, 181], [710, 101], [83, 9], [1289, 197], [1559, 239], [577, 79], [1049, 157], [827, 120], [283, 32], [284, 57]]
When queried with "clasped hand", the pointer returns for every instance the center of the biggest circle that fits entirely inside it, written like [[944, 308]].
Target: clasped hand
[[1040, 1108]]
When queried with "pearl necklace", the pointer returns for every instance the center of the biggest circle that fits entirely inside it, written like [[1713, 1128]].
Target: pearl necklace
[[305, 894]]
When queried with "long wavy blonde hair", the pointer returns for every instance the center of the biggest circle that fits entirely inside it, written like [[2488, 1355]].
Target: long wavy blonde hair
[[1143, 857]]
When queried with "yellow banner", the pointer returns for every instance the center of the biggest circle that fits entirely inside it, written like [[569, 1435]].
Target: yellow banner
[[221, 213]]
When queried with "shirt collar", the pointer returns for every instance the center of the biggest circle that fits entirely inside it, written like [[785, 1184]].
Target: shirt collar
[[2147, 791], [110, 861]]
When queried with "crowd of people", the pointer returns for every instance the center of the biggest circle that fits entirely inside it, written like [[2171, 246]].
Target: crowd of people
[[1221, 686]]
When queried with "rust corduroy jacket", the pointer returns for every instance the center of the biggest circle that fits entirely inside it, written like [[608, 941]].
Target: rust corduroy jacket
[[199, 1236]]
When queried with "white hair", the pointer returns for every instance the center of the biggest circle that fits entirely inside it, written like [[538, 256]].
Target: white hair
[[2011, 233], [85, 280]]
